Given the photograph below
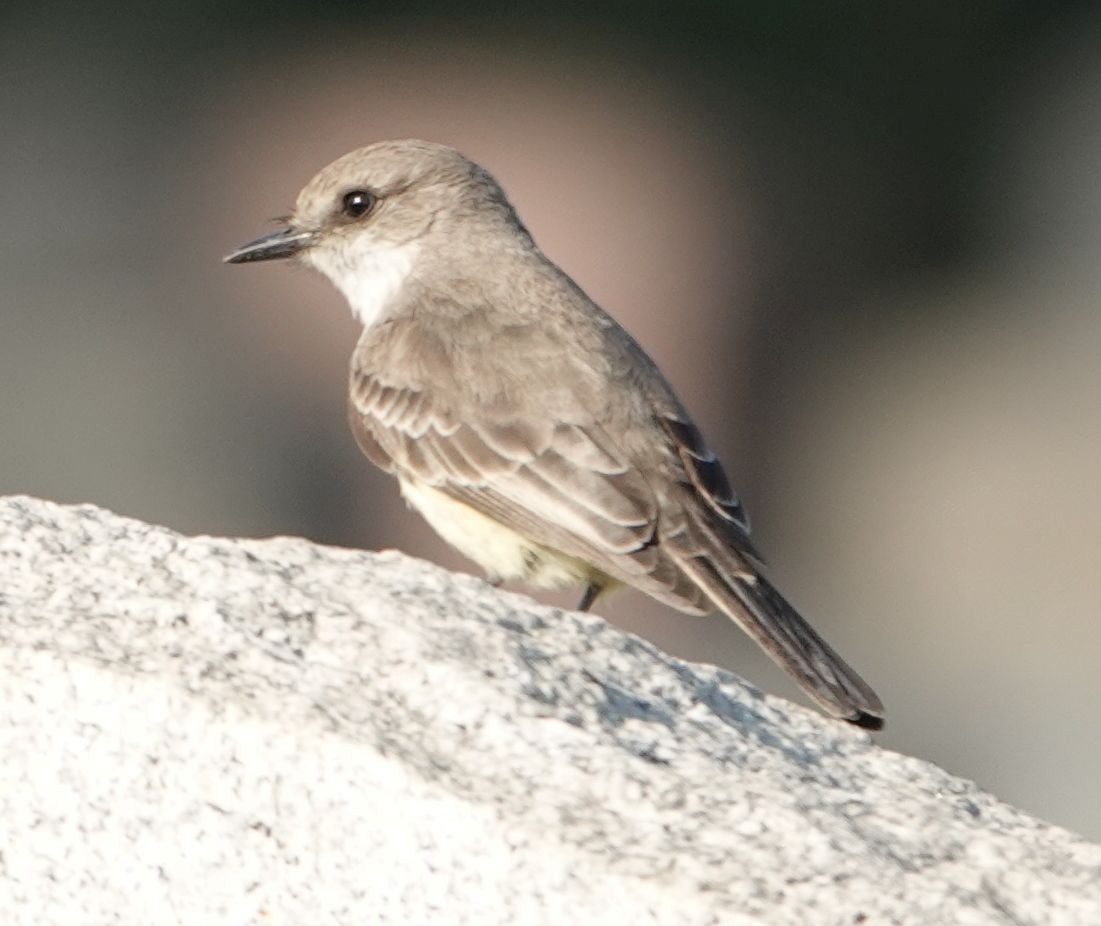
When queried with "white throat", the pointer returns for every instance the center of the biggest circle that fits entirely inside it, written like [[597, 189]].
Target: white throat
[[369, 279]]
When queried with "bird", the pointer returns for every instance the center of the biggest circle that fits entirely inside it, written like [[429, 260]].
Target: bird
[[521, 420]]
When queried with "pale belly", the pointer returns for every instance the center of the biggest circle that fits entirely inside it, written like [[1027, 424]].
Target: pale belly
[[499, 550]]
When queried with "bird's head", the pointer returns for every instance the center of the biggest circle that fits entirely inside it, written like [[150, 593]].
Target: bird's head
[[366, 219]]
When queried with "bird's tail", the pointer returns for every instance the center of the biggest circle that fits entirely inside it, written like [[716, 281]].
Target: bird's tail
[[755, 605]]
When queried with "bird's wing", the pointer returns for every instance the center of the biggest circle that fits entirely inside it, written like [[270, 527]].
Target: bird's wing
[[563, 485], [569, 486]]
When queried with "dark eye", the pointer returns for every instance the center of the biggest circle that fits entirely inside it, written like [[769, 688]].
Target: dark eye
[[358, 203]]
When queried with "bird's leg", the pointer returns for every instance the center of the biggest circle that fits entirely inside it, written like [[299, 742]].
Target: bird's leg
[[592, 591]]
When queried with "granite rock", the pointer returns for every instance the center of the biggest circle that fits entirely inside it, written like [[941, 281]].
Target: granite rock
[[215, 731]]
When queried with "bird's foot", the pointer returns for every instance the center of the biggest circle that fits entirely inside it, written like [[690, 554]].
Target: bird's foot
[[592, 592]]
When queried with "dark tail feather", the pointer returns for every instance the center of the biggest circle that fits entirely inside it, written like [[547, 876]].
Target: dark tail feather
[[790, 641]]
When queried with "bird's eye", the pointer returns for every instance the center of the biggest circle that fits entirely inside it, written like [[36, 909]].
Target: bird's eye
[[357, 203]]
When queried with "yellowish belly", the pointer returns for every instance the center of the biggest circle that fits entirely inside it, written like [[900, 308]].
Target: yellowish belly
[[499, 550]]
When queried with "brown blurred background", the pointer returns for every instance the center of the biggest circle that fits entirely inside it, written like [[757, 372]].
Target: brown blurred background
[[860, 239]]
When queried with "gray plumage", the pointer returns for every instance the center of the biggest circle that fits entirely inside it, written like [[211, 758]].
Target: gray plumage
[[520, 418]]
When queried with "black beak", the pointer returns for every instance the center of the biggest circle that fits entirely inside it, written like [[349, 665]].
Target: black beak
[[286, 242]]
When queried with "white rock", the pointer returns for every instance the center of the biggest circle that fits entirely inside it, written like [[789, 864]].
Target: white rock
[[206, 731]]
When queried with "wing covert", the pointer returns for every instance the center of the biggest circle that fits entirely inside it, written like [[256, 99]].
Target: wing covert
[[564, 485]]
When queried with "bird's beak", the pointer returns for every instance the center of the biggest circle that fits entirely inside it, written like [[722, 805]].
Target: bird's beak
[[286, 242]]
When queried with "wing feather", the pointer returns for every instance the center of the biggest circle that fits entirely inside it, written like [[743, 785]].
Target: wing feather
[[712, 488], [561, 485], [705, 471]]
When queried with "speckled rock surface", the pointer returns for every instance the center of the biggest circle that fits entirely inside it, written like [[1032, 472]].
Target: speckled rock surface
[[209, 731]]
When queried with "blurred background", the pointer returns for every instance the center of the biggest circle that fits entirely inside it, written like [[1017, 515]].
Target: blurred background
[[861, 239]]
